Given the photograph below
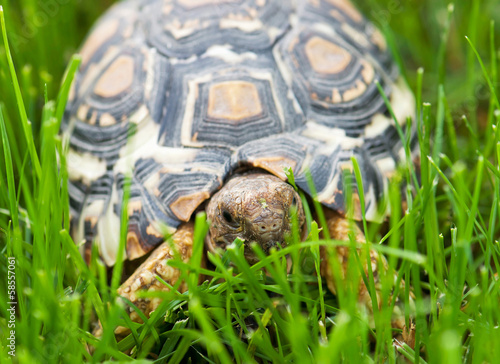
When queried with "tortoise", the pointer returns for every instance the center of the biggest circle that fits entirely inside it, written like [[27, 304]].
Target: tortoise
[[203, 104]]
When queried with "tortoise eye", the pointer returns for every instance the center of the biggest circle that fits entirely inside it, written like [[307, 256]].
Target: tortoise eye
[[294, 201], [226, 215]]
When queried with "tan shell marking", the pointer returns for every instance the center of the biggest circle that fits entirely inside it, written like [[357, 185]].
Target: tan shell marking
[[378, 39], [97, 38], [292, 44], [92, 220], [275, 165], [355, 91], [167, 8], [129, 31], [134, 248], [82, 112], [368, 72], [150, 230], [346, 166], [253, 12], [72, 91], [347, 8], [184, 206], [335, 14], [107, 119], [117, 78], [356, 205], [326, 57], [134, 206], [336, 97], [233, 100], [93, 118]]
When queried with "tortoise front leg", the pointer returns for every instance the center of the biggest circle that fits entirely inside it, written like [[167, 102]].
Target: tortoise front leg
[[341, 229], [143, 279]]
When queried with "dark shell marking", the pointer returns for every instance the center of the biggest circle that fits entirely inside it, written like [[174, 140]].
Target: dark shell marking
[[333, 83], [174, 96], [183, 28], [227, 103]]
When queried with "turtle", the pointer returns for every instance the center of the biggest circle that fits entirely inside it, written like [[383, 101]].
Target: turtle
[[203, 105]]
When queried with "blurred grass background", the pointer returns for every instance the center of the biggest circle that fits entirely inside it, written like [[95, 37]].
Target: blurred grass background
[[462, 178]]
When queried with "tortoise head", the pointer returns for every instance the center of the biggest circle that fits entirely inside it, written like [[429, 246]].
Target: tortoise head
[[256, 208]]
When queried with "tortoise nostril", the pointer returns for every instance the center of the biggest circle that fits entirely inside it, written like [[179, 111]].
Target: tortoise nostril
[[274, 226], [263, 228]]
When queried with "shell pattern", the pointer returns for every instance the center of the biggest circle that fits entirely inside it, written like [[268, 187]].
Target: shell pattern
[[173, 96]]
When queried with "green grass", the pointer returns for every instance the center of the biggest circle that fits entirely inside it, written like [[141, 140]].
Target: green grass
[[445, 245]]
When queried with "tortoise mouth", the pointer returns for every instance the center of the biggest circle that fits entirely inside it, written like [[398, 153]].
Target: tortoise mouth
[[220, 245]]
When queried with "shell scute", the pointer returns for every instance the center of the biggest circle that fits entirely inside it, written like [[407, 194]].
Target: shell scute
[[334, 83], [227, 102], [348, 22], [121, 94], [181, 29]]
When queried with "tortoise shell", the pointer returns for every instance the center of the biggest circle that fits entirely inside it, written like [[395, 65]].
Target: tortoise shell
[[173, 96]]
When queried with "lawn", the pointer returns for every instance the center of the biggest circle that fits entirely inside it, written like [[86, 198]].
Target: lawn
[[445, 244]]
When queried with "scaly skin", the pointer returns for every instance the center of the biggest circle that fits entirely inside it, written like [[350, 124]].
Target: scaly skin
[[254, 207], [144, 279], [341, 229]]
